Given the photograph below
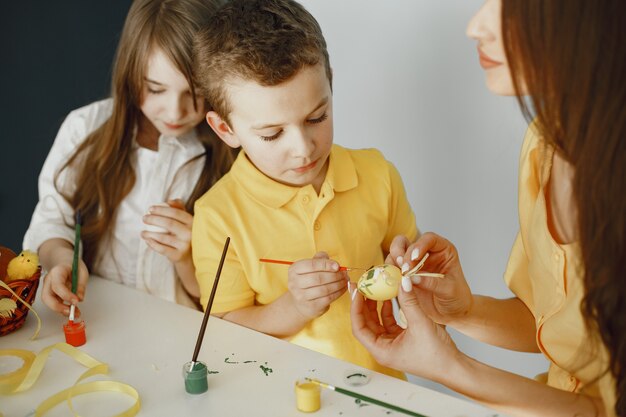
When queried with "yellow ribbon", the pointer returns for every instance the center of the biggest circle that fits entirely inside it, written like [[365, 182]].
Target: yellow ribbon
[[34, 336], [24, 378]]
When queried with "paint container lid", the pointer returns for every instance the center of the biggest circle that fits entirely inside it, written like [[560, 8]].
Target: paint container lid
[[195, 375], [356, 377], [75, 333], [308, 396]]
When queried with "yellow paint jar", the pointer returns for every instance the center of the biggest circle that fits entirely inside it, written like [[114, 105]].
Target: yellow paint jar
[[308, 396]]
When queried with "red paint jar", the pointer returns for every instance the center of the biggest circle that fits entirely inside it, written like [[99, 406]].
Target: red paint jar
[[75, 333]]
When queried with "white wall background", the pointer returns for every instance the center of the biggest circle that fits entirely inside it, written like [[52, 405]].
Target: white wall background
[[407, 81]]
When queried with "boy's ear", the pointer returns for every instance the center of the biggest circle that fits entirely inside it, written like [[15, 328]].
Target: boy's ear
[[221, 128]]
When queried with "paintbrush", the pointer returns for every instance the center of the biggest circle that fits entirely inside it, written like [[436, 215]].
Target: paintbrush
[[78, 224], [278, 261], [207, 311], [365, 398]]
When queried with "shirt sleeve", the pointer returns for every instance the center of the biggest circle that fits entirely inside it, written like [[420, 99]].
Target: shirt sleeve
[[53, 216], [208, 236], [516, 274], [401, 219]]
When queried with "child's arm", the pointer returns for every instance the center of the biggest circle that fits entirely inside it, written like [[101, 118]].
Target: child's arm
[[56, 257], [175, 243], [313, 285]]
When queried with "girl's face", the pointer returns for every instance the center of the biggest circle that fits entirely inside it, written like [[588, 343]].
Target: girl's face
[[486, 28], [166, 99]]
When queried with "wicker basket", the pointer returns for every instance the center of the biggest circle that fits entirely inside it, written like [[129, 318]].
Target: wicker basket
[[26, 289]]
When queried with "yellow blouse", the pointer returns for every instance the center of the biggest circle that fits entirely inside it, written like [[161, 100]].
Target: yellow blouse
[[548, 278]]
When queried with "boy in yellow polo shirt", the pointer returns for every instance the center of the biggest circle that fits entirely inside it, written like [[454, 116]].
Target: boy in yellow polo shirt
[[291, 194]]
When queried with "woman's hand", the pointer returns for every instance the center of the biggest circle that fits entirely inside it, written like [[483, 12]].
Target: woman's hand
[[445, 299], [175, 241], [424, 348]]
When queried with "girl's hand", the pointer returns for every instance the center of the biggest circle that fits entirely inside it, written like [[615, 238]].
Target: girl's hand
[[57, 287], [175, 242], [315, 283], [424, 348], [445, 299]]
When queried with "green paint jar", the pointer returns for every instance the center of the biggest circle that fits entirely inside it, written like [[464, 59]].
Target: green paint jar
[[195, 375]]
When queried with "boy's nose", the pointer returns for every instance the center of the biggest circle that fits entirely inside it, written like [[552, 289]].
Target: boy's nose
[[303, 145]]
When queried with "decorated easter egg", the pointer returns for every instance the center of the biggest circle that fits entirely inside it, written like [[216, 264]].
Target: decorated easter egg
[[380, 282]]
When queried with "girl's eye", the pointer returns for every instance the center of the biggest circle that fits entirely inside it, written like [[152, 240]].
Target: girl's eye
[[273, 137], [319, 119], [152, 91]]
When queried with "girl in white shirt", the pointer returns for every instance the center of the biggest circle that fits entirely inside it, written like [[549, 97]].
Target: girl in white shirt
[[133, 165]]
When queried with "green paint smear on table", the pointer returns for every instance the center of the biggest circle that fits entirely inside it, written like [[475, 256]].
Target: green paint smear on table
[[360, 403], [266, 370]]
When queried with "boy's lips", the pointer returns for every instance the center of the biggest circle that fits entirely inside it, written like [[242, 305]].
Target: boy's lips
[[306, 168]]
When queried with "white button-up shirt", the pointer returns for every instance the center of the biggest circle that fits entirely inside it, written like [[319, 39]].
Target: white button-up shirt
[[161, 175]]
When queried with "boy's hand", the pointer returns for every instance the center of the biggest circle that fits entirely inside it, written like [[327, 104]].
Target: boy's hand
[[175, 241], [445, 299], [57, 287], [315, 283]]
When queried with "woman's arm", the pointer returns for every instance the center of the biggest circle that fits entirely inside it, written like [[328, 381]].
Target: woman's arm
[[425, 349], [505, 323], [508, 323]]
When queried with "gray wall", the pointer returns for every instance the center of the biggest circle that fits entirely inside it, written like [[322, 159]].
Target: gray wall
[[407, 81], [56, 56]]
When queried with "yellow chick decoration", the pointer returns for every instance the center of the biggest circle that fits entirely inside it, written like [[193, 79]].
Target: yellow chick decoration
[[22, 266]]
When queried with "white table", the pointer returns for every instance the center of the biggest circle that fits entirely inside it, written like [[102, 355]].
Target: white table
[[146, 341]]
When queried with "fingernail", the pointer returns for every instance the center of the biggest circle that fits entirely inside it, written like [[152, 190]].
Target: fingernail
[[334, 266], [353, 294], [399, 260], [349, 288], [405, 268], [415, 254], [407, 285], [416, 279]]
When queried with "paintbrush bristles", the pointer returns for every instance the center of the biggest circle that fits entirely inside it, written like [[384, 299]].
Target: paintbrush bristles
[[207, 311]]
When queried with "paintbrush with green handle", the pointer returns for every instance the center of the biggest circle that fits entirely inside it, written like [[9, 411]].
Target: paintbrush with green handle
[[365, 398]]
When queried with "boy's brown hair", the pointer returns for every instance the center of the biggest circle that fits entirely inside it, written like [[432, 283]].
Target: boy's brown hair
[[265, 41]]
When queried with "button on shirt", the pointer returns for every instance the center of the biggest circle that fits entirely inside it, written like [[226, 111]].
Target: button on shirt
[[160, 176], [548, 278]]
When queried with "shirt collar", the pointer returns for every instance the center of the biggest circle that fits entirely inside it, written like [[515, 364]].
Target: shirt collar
[[341, 176], [188, 143]]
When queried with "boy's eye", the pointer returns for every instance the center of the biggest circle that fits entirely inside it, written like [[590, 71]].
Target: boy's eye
[[273, 137], [319, 119]]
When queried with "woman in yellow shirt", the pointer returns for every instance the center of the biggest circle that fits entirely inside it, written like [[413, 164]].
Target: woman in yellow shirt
[[567, 268]]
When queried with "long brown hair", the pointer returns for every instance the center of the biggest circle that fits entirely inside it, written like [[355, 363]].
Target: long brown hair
[[103, 172], [568, 56]]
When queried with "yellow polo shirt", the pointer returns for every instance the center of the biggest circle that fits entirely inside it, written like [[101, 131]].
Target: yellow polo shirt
[[361, 207], [548, 278]]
